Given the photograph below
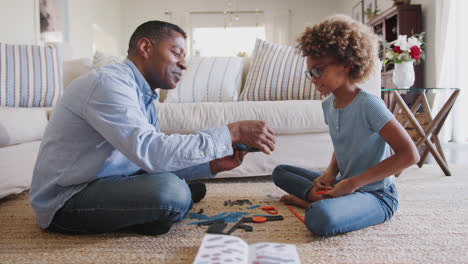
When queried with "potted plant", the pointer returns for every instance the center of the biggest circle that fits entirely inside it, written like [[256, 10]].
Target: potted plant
[[371, 13]]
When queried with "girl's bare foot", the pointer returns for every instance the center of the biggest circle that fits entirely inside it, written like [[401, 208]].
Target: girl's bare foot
[[294, 200]]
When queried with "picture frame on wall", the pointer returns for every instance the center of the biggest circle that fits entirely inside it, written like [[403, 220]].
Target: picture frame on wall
[[358, 11], [53, 20]]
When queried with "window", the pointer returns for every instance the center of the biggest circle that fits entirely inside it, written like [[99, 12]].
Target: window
[[230, 41], [225, 34]]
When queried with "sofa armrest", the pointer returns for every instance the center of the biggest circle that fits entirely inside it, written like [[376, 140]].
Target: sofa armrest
[[284, 117]]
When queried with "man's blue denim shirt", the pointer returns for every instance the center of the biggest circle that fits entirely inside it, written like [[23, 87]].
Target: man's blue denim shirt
[[106, 124]]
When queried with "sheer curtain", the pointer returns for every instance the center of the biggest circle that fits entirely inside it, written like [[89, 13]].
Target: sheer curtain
[[452, 63]]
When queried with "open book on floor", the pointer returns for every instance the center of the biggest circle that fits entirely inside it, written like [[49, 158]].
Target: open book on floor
[[231, 249]]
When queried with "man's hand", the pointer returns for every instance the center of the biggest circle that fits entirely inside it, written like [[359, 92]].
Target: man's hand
[[253, 133], [227, 162]]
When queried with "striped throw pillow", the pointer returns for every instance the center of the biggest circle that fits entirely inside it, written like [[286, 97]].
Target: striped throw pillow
[[30, 75], [277, 73], [209, 79]]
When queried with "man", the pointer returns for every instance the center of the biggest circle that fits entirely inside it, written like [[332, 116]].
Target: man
[[103, 164]]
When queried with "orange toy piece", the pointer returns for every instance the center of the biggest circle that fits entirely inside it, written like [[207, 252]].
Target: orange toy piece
[[270, 209], [259, 219]]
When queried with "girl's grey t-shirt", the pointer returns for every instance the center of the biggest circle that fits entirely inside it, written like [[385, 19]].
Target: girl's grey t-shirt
[[355, 134]]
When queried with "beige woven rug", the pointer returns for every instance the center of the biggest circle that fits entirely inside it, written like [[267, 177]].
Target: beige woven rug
[[431, 226]]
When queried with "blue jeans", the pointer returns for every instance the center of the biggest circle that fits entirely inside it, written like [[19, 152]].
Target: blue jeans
[[117, 202], [337, 215]]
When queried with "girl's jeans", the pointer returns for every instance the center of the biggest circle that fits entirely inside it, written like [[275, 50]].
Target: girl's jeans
[[117, 202], [337, 215]]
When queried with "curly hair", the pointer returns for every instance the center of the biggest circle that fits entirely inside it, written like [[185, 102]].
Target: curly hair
[[348, 41]]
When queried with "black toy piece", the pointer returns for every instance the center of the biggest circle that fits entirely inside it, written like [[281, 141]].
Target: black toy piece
[[269, 218], [210, 222], [217, 228], [237, 202], [240, 224], [243, 147]]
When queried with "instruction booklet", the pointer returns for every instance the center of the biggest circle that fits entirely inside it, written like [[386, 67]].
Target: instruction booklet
[[231, 249]]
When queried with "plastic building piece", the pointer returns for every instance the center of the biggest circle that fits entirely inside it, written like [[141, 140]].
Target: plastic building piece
[[217, 228], [243, 147], [294, 212], [207, 222], [237, 202], [253, 206], [200, 212], [247, 228], [321, 192], [270, 209], [259, 219], [240, 224], [268, 218]]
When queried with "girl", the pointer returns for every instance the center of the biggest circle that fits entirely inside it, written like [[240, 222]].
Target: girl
[[340, 53]]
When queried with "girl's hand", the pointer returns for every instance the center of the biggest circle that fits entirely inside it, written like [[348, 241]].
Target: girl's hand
[[228, 162], [324, 181], [342, 188]]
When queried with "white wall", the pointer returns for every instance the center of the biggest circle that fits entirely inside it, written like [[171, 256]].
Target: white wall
[[19, 21], [284, 19], [94, 22], [19, 24]]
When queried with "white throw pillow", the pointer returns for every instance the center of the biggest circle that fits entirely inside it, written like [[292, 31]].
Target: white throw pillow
[[30, 75], [209, 79], [277, 73], [102, 59]]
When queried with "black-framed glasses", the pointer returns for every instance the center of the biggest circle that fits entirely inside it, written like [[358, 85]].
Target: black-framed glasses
[[315, 72]]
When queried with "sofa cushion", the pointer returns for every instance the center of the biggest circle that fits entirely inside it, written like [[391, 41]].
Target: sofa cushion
[[17, 165], [22, 124], [284, 117], [209, 79], [30, 75], [277, 73], [73, 69], [102, 59]]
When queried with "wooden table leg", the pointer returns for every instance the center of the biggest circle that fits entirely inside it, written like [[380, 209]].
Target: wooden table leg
[[425, 135]]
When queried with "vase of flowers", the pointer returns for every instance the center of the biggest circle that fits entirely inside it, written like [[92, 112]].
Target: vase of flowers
[[403, 54]]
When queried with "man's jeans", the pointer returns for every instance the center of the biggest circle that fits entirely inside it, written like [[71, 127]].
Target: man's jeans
[[337, 215], [117, 202]]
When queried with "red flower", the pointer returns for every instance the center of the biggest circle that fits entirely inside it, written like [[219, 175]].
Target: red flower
[[415, 52], [397, 49]]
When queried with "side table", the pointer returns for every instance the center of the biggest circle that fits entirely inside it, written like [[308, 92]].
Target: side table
[[413, 110]]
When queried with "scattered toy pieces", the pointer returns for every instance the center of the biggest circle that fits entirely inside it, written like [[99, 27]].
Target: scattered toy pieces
[[253, 206], [237, 202]]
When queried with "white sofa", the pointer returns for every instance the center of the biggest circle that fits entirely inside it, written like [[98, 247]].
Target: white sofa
[[301, 135]]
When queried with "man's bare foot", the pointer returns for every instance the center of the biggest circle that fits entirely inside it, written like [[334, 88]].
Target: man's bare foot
[[294, 200]]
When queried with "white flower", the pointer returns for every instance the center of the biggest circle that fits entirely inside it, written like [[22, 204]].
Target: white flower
[[404, 57], [389, 54], [402, 43], [413, 42]]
